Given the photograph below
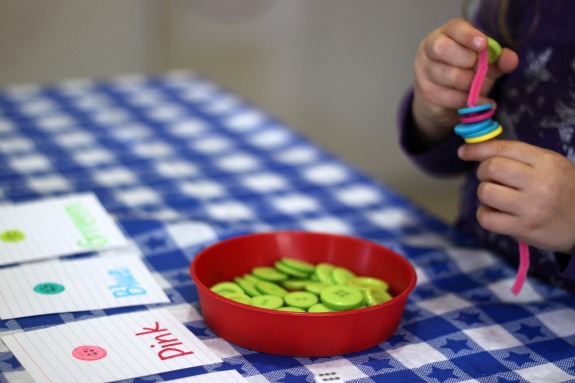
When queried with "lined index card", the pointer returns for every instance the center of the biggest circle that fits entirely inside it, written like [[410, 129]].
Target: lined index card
[[56, 227]]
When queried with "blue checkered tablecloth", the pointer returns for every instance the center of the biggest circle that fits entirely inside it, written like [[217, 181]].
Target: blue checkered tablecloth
[[174, 154]]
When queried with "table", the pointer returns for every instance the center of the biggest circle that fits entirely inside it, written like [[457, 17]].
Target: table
[[175, 153]]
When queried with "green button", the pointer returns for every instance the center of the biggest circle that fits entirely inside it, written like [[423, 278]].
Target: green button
[[226, 287], [365, 282], [271, 302], [319, 308], [49, 288], [12, 235], [248, 286], [269, 274], [298, 264], [315, 287], [323, 272], [301, 299], [270, 289], [375, 296], [251, 278], [296, 284], [340, 275], [493, 50], [283, 268], [341, 297], [291, 309], [238, 297]]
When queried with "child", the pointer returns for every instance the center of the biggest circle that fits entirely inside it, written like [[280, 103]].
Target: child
[[521, 186]]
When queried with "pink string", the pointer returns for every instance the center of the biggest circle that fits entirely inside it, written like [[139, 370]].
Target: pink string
[[523, 268], [482, 67]]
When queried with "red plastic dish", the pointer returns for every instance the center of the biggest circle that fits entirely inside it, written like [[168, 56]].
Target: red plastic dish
[[301, 334]]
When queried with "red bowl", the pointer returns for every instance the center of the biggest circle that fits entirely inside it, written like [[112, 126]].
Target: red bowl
[[301, 334]]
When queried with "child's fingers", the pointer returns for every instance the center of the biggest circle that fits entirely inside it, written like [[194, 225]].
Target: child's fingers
[[514, 150], [465, 34], [450, 76]]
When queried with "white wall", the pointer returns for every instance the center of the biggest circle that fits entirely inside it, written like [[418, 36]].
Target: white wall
[[50, 40], [334, 70]]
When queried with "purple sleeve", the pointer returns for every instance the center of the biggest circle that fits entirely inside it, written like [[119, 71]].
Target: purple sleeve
[[569, 271], [441, 160]]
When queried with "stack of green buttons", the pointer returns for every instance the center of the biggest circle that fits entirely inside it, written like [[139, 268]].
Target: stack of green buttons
[[299, 286]]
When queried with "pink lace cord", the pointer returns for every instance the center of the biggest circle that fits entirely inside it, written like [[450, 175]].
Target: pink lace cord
[[482, 67]]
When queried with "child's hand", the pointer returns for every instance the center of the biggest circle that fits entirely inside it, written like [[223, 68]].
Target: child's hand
[[526, 192], [444, 69]]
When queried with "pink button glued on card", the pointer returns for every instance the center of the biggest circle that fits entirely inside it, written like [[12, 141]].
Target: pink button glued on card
[[89, 353]]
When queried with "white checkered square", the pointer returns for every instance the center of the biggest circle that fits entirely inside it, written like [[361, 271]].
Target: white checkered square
[[299, 155], [38, 107], [137, 196], [56, 122], [145, 98], [199, 92], [548, 373], [212, 145], [502, 290], [153, 149], [91, 102], [358, 196], [176, 168], [30, 163], [95, 156], [111, 116], [16, 145], [270, 139], [559, 321], [492, 338], [469, 260], [131, 132], [327, 225], [191, 127], [416, 355], [229, 211], [202, 189], [188, 234], [166, 113], [221, 348], [6, 126], [49, 184], [265, 182], [222, 105], [116, 176], [75, 139], [444, 304], [239, 162], [392, 218], [326, 174], [245, 121], [342, 367], [295, 203]]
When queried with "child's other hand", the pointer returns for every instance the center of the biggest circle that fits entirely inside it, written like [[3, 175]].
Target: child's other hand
[[526, 192], [444, 70]]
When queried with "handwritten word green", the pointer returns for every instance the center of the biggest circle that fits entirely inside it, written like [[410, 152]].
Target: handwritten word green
[[87, 225]]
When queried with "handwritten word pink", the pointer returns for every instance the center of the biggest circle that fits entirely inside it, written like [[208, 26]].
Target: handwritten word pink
[[166, 341]]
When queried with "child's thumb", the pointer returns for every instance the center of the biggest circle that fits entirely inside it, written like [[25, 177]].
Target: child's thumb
[[506, 63]]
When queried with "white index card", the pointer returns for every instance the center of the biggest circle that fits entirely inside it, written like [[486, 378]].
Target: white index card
[[56, 227], [110, 348], [77, 285]]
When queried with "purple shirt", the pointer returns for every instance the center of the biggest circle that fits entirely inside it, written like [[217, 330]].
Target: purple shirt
[[536, 104]]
